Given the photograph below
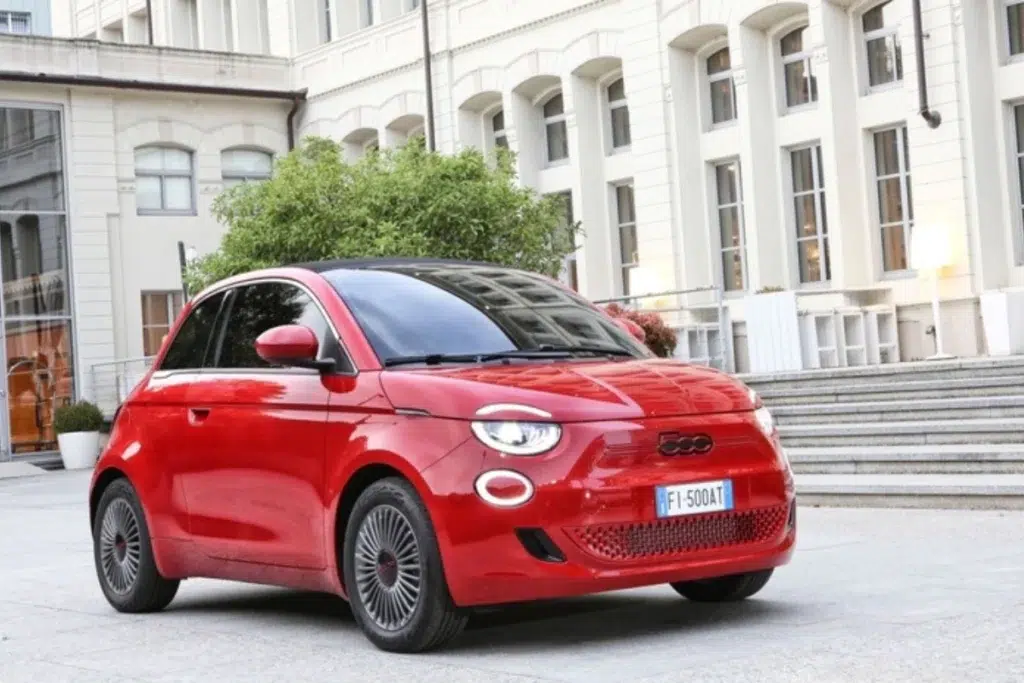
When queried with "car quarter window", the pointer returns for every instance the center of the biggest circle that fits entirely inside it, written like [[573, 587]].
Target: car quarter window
[[261, 306], [191, 343]]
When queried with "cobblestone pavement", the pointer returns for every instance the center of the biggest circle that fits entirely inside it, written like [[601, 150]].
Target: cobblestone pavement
[[872, 595]]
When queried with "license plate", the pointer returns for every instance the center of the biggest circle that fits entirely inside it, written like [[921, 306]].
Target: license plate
[[693, 499]]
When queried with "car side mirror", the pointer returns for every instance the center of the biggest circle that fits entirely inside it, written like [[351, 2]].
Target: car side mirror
[[291, 346]]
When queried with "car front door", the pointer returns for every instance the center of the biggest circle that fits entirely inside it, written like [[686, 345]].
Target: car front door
[[159, 412], [255, 493]]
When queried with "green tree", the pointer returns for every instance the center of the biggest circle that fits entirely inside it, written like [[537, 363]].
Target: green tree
[[397, 202]]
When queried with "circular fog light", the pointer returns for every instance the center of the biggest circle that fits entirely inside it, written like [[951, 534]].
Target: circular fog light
[[504, 488]]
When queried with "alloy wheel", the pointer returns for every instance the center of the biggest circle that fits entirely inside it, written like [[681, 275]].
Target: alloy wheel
[[120, 546], [387, 565]]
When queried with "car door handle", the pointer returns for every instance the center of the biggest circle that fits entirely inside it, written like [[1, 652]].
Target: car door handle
[[196, 416]]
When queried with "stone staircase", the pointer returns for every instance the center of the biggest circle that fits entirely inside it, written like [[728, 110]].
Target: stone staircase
[[924, 434]]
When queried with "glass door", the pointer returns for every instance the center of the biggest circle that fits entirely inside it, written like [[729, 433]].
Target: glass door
[[35, 314]]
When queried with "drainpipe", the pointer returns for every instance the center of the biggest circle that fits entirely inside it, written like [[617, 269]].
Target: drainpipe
[[427, 74], [296, 101], [149, 19], [933, 117]]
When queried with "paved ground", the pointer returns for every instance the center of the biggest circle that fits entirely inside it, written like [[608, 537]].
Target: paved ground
[[873, 596]]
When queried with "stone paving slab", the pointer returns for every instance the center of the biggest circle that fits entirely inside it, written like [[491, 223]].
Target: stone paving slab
[[872, 595]]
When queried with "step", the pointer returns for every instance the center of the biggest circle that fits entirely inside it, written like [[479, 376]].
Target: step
[[928, 459], [893, 411], [954, 491], [895, 390], [903, 433], [941, 369]]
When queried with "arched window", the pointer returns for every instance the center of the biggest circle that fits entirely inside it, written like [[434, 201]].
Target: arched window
[[618, 111], [555, 130], [245, 166], [164, 180], [723, 95], [882, 44], [797, 69]]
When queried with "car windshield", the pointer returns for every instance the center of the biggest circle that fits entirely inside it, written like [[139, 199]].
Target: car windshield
[[440, 312]]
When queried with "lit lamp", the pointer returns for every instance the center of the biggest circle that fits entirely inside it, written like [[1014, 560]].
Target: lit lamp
[[931, 250]]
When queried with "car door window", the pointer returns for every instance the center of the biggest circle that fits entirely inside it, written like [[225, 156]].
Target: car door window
[[191, 344], [262, 306]]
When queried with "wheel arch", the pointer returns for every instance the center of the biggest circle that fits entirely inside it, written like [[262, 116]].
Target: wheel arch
[[382, 466], [103, 480]]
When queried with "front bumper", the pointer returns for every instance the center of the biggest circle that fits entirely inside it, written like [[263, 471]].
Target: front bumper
[[592, 526]]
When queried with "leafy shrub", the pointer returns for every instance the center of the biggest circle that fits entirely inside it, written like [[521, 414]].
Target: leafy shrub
[[660, 338], [397, 202], [77, 417]]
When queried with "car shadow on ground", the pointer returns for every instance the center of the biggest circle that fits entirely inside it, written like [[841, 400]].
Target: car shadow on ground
[[549, 624]]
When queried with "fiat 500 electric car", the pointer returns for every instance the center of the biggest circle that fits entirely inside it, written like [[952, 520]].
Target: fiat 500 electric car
[[425, 437]]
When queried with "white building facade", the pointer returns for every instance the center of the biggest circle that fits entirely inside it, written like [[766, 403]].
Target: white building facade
[[724, 149]]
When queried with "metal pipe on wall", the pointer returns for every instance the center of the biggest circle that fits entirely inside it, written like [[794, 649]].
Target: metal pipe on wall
[[428, 74], [933, 117], [149, 19]]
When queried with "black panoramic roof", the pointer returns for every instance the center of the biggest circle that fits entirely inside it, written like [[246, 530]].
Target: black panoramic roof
[[385, 263]]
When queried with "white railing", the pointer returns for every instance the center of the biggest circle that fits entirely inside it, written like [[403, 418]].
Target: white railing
[[700, 318], [113, 381]]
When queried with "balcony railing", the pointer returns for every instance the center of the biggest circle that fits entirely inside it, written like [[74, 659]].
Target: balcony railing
[[114, 380]]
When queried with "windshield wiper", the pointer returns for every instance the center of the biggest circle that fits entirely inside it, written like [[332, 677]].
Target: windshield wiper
[[438, 358], [606, 350]]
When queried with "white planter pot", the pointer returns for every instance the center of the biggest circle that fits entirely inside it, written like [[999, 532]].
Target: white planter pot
[[79, 450], [773, 332], [1002, 317]]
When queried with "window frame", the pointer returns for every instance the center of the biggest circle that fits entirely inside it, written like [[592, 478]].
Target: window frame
[[495, 134], [741, 220], [876, 34], [10, 15], [559, 119], [804, 56], [821, 235], [712, 78], [366, 18], [218, 321], [613, 106], [326, 19], [623, 267], [570, 264], [1007, 32], [164, 173], [903, 174], [346, 366], [175, 305], [1017, 156], [245, 178]]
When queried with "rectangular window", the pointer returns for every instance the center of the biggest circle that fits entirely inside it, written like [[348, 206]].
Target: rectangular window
[[163, 181], [570, 274], [809, 214], [882, 44], [895, 200], [626, 220], [730, 225], [325, 29], [722, 91], [556, 133], [1019, 124], [618, 109], [798, 70], [367, 13], [159, 311], [1015, 26], [15, 22]]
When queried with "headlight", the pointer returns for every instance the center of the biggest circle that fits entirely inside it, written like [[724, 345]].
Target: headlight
[[518, 438], [765, 421]]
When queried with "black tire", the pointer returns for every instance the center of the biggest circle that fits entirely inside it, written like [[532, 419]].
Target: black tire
[[129, 590], [425, 622], [731, 588]]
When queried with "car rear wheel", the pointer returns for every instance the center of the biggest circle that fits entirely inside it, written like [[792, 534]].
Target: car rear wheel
[[724, 588], [124, 556], [393, 573]]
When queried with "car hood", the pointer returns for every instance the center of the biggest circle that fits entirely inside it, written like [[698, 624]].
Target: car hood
[[577, 391]]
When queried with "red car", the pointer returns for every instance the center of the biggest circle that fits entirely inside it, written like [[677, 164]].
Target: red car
[[423, 437]]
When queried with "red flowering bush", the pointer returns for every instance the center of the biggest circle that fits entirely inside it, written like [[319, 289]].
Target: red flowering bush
[[659, 337]]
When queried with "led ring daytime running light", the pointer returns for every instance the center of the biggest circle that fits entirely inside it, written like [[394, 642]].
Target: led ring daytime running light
[[487, 477]]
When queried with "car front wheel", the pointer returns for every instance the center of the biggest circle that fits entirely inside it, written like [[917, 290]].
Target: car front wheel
[[393, 573], [124, 556], [731, 588]]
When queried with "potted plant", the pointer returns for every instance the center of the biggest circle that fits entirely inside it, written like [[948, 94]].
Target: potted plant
[[78, 434]]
